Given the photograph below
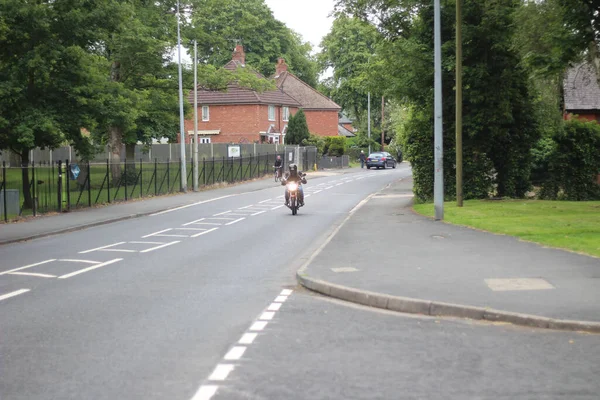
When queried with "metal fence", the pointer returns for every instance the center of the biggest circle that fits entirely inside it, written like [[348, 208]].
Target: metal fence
[[334, 162], [63, 185]]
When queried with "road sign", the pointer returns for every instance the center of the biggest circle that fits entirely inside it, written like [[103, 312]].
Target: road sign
[[75, 171]]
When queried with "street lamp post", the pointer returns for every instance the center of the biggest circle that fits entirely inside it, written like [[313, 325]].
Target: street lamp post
[[195, 116], [438, 186], [181, 121], [369, 119]]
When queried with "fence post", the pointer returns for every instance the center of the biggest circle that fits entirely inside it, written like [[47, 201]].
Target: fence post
[[4, 192], [155, 177], [89, 184], [204, 170], [108, 178], [34, 192], [59, 186], [213, 169], [125, 175], [67, 170], [169, 174], [181, 175], [223, 170], [141, 178]]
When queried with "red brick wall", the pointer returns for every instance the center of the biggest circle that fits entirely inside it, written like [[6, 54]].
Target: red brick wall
[[584, 116], [322, 123], [349, 127]]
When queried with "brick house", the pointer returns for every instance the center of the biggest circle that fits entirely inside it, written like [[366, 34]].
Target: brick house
[[241, 115], [582, 93], [345, 127], [321, 112]]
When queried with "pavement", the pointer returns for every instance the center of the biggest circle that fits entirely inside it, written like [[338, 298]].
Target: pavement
[[386, 256], [42, 226]]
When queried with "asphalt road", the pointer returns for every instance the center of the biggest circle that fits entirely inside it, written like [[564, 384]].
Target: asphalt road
[[148, 308]]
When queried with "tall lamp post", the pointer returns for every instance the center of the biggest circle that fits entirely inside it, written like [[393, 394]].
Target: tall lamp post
[[438, 185], [181, 123], [459, 149]]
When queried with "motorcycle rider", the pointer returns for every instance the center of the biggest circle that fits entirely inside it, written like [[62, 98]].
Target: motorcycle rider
[[278, 163], [294, 176]]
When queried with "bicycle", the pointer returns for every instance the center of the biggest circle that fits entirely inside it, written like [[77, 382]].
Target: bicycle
[[277, 173]]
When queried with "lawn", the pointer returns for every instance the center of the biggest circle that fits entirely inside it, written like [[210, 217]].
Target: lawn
[[563, 224]]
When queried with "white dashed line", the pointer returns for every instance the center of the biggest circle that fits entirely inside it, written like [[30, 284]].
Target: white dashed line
[[267, 316], [205, 392], [258, 325], [159, 247], [156, 233], [265, 201], [80, 261], [286, 292], [281, 299], [222, 213], [101, 248], [275, 208], [13, 294], [27, 266], [147, 242], [33, 274], [317, 191], [338, 184], [221, 371], [274, 307], [257, 213], [235, 353], [248, 338], [243, 208], [191, 205], [204, 233], [236, 221], [328, 187], [81, 271]]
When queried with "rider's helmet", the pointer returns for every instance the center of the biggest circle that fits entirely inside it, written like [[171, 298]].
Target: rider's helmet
[[293, 170]]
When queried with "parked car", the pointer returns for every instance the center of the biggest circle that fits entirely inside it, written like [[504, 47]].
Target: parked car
[[381, 159]]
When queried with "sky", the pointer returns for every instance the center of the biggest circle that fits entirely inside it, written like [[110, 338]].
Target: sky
[[307, 17]]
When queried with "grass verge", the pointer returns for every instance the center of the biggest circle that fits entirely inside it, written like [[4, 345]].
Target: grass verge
[[567, 225]]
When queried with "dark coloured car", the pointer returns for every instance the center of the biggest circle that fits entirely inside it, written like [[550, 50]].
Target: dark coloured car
[[381, 159]]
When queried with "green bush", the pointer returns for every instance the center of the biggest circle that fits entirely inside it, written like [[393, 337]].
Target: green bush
[[575, 163], [335, 145], [317, 141]]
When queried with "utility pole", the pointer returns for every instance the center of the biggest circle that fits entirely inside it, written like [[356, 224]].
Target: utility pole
[[382, 122], [369, 119], [181, 123], [438, 186], [459, 149], [195, 116]]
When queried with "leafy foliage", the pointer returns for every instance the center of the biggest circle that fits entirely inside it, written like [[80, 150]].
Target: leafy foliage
[[297, 128], [335, 145]]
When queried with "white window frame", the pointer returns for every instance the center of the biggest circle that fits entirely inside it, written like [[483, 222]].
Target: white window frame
[[271, 113], [286, 113], [205, 113], [204, 140]]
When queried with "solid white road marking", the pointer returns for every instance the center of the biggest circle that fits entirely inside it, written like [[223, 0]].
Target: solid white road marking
[[243, 208], [156, 233], [147, 242], [328, 187], [79, 261], [159, 247], [275, 208], [33, 274], [258, 325], [100, 248], [204, 233], [221, 371], [27, 266], [191, 205], [235, 353], [177, 236], [280, 299], [120, 250], [236, 221], [238, 214], [189, 229], [222, 213], [15, 293], [274, 307], [194, 222], [248, 338], [341, 183], [307, 195], [267, 315], [221, 218], [205, 392], [257, 213], [286, 292], [265, 201], [317, 191], [81, 271]]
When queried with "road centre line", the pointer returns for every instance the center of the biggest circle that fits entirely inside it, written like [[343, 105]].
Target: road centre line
[[248, 338], [280, 299], [235, 353], [338, 184], [81, 261], [329, 187], [13, 294], [33, 274], [159, 247], [243, 208], [274, 307], [221, 218], [264, 201], [120, 250], [267, 315], [221, 371], [81, 271], [238, 214], [209, 223], [275, 208], [205, 392], [27, 266], [317, 191], [189, 229], [191, 205], [156, 233], [194, 222], [100, 248], [258, 213], [222, 213], [147, 242], [286, 292], [236, 221], [258, 325], [177, 236], [204, 233]]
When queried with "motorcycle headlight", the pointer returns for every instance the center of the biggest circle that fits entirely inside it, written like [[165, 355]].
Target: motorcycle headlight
[[292, 186]]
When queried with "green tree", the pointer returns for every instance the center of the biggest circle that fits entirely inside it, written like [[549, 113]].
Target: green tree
[[297, 130], [220, 24]]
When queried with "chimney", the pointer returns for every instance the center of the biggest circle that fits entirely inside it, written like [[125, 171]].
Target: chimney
[[239, 55], [281, 67]]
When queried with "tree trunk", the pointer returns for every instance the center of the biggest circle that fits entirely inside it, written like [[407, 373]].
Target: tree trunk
[[27, 200], [115, 144]]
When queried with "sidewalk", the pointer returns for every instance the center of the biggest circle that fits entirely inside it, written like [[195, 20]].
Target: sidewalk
[[386, 256], [87, 217]]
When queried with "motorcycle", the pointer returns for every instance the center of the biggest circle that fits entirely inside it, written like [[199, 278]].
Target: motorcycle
[[292, 188]]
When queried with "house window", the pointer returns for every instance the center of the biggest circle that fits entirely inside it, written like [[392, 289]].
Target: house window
[[204, 140], [205, 113], [286, 113], [271, 113]]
